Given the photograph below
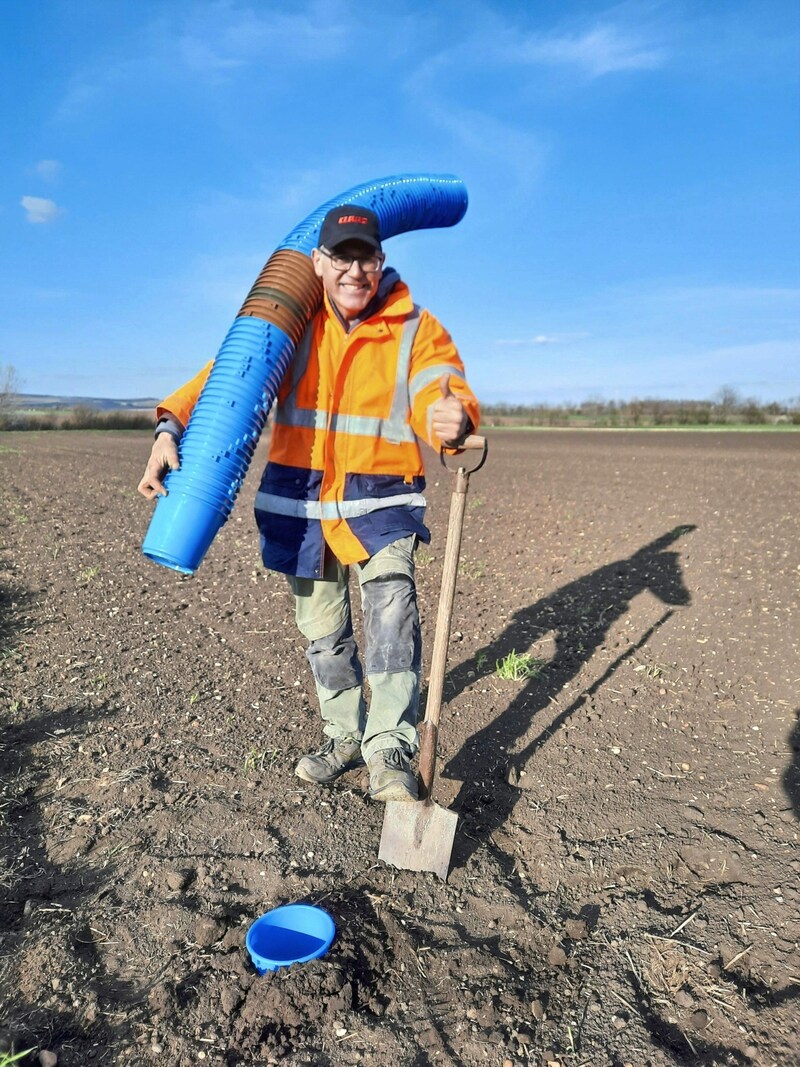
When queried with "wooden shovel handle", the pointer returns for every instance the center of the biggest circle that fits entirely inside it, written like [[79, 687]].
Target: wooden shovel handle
[[429, 729]]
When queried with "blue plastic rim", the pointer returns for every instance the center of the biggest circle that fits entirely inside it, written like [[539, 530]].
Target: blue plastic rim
[[292, 933], [198, 521]]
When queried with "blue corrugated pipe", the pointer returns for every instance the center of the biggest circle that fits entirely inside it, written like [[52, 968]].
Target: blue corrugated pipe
[[230, 413]]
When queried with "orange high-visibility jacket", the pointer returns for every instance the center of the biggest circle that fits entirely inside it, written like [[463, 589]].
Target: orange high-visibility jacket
[[345, 467]]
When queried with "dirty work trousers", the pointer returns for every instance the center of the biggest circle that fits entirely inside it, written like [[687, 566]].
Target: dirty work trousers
[[392, 653]]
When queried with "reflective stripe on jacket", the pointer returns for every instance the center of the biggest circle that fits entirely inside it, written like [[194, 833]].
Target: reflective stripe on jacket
[[344, 466]]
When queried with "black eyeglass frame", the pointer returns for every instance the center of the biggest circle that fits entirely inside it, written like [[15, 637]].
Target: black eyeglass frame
[[379, 257]]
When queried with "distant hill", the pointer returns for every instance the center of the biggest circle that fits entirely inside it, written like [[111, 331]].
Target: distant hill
[[45, 402]]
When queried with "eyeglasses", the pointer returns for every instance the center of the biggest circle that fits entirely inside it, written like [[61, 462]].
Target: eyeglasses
[[369, 264]]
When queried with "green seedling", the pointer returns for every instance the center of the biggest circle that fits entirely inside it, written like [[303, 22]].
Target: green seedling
[[518, 665], [6, 1059], [254, 761], [423, 557], [481, 656], [88, 574], [472, 568], [17, 515], [652, 670], [194, 698]]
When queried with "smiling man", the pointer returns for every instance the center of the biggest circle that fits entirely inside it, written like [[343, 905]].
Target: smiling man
[[343, 491]]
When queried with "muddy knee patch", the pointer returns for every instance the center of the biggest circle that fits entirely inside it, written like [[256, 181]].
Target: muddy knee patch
[[391, 624]]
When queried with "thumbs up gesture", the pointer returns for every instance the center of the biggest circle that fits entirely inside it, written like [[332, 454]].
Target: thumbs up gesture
[[449, 419]]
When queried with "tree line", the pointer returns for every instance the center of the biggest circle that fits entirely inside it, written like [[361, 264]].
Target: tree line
[[727, 408]]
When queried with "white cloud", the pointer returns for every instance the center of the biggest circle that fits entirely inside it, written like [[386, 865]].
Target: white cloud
[[604, 49], [541, 339], [39, 209], [48, 169]]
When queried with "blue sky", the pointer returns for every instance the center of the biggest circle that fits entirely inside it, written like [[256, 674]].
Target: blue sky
[[633, 171]]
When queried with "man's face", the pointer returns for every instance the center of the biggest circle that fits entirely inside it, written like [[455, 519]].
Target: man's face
[[352, 289]]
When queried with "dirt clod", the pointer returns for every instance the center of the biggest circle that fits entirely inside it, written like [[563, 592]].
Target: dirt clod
[[576, 929], [207, 931], [557, 957]]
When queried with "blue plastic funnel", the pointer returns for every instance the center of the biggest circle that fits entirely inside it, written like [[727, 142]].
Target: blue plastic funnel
[[293, 933]]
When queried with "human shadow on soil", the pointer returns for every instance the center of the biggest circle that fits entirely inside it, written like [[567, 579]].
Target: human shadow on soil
[[791, 776], [48, 899], [580, 616]]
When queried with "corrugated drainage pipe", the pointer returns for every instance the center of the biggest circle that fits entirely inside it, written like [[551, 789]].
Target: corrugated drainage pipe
[[230, 413]]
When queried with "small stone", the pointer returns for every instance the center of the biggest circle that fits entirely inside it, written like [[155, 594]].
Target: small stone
[[699, 1020], [48, 1059], [157, 1048], [508, 1063], [537, 1010], [751, 1052], [619, 1023], [684, 998], [685, 767], [341, 1031]]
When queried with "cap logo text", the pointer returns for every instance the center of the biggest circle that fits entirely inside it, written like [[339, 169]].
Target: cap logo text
[[353, 218]]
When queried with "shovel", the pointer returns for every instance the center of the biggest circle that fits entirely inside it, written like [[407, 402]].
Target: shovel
[[419, 836]]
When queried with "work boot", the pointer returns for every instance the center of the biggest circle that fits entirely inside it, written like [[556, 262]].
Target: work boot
[[338, 755], [390, 776]]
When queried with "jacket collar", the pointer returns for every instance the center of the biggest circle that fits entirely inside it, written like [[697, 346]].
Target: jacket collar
[[393, 299]]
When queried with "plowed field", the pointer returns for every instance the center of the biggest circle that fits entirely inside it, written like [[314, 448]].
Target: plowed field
[[624, 882]]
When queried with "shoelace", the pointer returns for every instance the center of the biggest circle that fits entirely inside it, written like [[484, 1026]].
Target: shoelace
[[393, 757]]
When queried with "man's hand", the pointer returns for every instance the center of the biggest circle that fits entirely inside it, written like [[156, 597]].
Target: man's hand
[[163, 457], [449, 417]]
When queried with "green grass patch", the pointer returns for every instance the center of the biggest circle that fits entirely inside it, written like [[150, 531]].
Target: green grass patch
[[518, 665]]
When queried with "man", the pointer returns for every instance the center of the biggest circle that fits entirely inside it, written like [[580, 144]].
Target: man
[[343, 491]]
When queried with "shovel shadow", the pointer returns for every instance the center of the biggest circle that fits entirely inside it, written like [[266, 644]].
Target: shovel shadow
[[580, 616]]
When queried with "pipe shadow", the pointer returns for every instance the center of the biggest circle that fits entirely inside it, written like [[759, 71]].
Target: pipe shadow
[[580, 616]]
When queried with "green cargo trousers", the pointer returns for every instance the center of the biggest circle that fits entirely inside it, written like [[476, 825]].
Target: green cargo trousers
[[392, 653]]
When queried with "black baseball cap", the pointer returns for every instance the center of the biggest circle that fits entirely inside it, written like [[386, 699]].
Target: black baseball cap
[[350, 222]]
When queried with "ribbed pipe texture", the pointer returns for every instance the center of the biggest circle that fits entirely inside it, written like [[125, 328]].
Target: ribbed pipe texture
[[227, 421]]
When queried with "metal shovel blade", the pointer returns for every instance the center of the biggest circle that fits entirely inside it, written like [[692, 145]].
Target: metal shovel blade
[[418, 836]]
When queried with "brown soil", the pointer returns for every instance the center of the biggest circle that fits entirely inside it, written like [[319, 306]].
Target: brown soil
[[624, 881]]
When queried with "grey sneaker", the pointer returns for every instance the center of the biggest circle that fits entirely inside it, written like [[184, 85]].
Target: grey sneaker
[[391, 777], [338, 755]]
